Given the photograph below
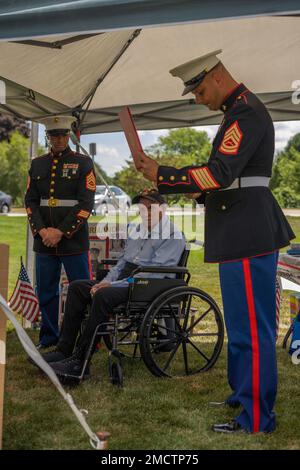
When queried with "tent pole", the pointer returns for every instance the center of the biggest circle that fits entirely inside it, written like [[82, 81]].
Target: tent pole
[[91, 94], [4, 256], [30, 256]]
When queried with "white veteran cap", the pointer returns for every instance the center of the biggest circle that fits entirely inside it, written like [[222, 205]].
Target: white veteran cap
[[58, 124], [193, 72]]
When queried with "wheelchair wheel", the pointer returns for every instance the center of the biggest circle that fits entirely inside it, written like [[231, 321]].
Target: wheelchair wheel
[[182, 333], [115, 372]]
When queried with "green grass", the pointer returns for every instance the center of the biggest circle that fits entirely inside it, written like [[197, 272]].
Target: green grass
[[149, 412], [13, 233]]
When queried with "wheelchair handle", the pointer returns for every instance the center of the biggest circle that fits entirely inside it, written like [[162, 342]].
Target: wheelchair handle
[[110, 261]]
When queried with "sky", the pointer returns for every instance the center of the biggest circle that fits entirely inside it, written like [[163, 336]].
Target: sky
[[112, 148]]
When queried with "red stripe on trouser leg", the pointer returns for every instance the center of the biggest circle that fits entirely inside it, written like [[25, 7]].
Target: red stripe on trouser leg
[[90, 266], [254, 344]]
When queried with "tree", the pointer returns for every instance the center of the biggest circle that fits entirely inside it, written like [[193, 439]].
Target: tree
[[99, 171], [285, 182], [183, 145], [14, 162], [10, 124], [130, 180], [180, 147]]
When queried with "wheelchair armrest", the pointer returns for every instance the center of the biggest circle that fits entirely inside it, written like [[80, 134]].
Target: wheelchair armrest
[[111, 261], [160, 269]]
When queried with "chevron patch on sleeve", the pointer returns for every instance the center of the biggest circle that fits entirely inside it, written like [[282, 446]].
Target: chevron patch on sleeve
[[204, 178], [83, 214], [232, 140], [90, 181]]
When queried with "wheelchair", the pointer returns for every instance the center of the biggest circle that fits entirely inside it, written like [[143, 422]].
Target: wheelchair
[[175, 329]]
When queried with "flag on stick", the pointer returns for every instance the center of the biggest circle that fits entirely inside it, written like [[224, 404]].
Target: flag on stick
[[23, 299]]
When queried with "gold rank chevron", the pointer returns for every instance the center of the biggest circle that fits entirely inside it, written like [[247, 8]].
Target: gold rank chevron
[[204, 178], [232, 140], [90, 181], [83, 214]]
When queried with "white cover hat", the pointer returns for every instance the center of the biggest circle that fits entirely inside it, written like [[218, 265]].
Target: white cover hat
[[193, 72], [54, 123]]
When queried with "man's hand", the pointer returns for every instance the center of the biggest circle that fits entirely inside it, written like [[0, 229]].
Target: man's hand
[[43, 232], [44, 235], [100, 285], [148, 167], [51, 236]]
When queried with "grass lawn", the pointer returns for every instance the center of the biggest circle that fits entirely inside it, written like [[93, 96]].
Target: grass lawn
[[149, 413]]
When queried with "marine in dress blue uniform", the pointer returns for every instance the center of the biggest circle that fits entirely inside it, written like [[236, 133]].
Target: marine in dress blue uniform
[[59, 200], [244, 229]]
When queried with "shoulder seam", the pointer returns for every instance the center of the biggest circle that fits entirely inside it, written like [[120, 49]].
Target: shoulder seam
[[40, 156], [246, 106], [78, 154]]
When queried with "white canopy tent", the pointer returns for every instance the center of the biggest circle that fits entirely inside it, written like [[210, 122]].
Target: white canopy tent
[[94, 75]]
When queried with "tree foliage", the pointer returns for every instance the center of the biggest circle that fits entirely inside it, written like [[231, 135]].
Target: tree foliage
[[180, 147], [14, 163], [10, 124], [285, 182], [183, 146], [131, 180]]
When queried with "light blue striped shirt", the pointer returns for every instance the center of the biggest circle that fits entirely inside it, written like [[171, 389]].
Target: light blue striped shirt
[[163, 246]]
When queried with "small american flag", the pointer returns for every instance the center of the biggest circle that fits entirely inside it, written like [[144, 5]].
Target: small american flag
[[23, 299]]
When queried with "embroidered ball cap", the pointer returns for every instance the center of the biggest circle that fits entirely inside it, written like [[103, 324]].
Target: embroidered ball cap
[[151, 195], [57, 125], [193, 72]]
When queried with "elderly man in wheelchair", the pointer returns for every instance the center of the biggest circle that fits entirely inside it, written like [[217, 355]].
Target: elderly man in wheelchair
[[143, 302]]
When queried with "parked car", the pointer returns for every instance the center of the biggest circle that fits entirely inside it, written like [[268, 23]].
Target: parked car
[[104, 199], [5, 202]]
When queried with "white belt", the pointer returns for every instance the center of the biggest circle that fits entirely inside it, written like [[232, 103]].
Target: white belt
[[58, 202], [248, 181]]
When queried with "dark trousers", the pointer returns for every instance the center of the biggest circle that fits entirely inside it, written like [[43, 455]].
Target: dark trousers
[[48, 268], [101, 308], [249, 299]]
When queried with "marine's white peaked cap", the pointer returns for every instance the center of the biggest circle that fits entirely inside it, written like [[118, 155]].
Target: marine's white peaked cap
[[193, 72]]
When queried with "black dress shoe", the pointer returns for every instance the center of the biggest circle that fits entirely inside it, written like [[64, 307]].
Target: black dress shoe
[[50, 356], [72, 367], [41, 346], [230, 404], [232, 427], [53, 356]]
